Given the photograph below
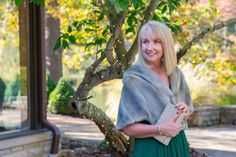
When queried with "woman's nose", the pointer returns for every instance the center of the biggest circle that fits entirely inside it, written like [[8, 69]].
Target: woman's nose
[[150, 46]]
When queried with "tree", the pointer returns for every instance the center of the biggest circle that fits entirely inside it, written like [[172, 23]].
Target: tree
[[118, 56], [113, 24], [53, 60]]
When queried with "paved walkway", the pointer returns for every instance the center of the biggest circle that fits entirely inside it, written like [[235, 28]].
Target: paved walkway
[[217, 141]]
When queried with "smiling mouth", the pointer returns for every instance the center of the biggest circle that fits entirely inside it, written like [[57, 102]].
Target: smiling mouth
[[151, 53]]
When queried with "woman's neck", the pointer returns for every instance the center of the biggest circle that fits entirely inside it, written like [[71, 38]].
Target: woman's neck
[[158, 68]]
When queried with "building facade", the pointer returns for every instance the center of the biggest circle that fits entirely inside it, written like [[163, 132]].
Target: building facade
[[24, 129]]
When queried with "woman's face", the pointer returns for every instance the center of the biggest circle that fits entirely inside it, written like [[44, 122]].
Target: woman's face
[[152, 49]]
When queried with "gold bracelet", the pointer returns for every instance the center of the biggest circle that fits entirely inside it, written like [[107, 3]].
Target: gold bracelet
[[159, 129]]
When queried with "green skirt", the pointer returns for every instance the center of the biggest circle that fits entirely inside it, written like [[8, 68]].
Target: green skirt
[[150, 147]]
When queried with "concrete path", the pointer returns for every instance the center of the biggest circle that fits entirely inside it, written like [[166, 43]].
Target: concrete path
[[218, 141]]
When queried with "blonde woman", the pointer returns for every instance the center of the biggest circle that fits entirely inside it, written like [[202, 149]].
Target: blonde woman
[[153, 82]]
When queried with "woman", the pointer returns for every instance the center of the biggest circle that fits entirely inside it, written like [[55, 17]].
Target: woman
[[153, 82]]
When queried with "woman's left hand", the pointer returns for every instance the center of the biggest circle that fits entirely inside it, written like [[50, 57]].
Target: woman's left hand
[[182, 107]]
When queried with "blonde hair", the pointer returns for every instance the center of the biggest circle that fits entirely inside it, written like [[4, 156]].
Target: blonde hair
[[162, 31]]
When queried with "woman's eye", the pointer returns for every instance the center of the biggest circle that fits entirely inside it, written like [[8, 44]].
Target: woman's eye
[[157, 41], [145, 41]]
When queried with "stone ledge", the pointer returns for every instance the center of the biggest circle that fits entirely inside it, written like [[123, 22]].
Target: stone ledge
[[210, 115], [25, 140]]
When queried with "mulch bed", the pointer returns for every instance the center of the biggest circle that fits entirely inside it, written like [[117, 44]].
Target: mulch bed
[[79, 148], [83, 148]]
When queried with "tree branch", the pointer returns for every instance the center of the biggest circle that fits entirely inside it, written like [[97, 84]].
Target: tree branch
[[112, 17], [201, 35], [107, 74], [114, 36], [84, 85], [116, 139], [148, 15]]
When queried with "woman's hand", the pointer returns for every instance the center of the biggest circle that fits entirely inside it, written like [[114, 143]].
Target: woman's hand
[[182, 107], [170, 128]]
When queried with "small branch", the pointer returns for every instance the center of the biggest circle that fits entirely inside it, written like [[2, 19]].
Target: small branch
[[148, 15], [201, 35]]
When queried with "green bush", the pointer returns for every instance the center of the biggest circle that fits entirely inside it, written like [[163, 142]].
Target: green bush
[[60, 97], [2, 91], [51, 85], [228, 99], [13, 89]]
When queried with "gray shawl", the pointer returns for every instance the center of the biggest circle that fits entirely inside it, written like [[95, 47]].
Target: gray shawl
[[144, 95]]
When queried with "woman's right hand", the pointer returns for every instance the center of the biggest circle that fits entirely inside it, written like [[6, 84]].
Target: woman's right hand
[[170, 128]]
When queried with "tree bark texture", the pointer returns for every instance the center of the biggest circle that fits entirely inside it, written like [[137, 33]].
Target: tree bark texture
[[53, 59]]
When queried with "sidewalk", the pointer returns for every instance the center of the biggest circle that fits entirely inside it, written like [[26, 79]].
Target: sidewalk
[[218, 141]]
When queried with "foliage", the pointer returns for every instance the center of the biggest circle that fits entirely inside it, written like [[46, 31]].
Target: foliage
[[9, 41], [2, 91], [38, 2], [13, 89], [216, 52], [60, 97], [227, 99], [51, 85], [86, 28]]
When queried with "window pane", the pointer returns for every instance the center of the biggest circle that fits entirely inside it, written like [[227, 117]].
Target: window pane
[[13, 72]]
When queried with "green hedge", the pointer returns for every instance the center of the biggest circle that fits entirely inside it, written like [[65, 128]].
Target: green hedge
[[51, 85], [13, 89], [2, 91], [60, 97]]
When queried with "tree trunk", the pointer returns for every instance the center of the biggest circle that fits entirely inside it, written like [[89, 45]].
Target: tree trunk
[[54, 59]]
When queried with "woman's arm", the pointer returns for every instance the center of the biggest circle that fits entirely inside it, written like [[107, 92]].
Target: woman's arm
[[139, 130]]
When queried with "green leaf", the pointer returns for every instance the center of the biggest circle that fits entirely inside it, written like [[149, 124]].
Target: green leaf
[[171, 7], [101, 16], [69, 29], [177, 3], [164, 9], [156, 17], [100, 41], [65, 44], [89, 30], [161, 4], [18, 2], [57, 45], [130, 20], [75, 24], [137, 3], [130, 30], [123, 4], [72, 39], [165, 19]]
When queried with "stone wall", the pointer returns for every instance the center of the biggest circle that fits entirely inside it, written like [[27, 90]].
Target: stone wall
[[34, 145], [213, 115]]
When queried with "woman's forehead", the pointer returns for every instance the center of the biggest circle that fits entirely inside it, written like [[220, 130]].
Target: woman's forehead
[[149, 33]]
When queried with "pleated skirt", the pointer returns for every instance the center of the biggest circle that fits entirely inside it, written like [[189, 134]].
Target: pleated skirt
[[150, 147]]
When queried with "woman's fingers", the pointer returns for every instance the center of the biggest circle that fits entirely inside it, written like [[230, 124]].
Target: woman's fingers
[[182, 107]]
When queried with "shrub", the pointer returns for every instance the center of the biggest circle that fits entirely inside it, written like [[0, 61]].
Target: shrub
[[2, 91], [51, 85], [60, 97], [13, 89]]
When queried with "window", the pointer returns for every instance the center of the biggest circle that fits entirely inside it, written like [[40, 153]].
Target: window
[[13, 72]]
